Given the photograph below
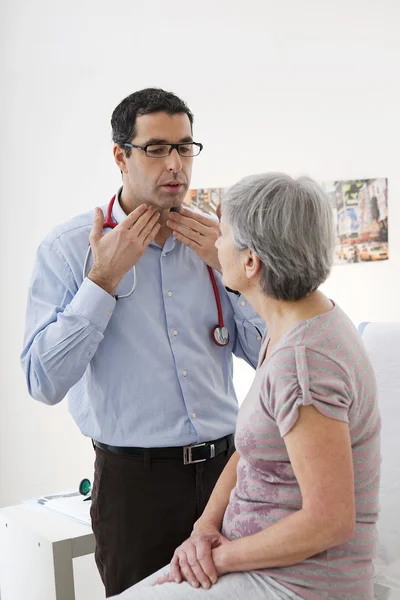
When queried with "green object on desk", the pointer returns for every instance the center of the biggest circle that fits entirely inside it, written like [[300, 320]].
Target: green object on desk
[[84, 487]]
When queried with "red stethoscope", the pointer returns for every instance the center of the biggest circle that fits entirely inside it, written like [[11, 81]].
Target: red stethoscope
[[219, 334]]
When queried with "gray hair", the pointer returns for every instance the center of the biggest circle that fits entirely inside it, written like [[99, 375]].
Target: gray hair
[[289, 225]]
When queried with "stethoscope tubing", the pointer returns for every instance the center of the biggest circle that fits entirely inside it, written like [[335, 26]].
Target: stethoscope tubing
[[119, 296], [110, 223]]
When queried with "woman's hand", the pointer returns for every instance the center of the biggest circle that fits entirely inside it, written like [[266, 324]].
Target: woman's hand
[[193, 560]]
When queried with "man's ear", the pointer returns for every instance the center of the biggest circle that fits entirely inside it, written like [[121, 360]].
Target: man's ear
[[252, 264], [120, 158]]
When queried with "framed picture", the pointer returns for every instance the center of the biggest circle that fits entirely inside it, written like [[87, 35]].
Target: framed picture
[[359, 209]]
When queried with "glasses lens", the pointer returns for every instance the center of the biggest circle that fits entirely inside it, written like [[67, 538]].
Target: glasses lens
[[162, 150], [158, 150], [188, 150]]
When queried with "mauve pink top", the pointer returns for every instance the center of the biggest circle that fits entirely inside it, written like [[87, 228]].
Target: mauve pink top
[[321, 362]]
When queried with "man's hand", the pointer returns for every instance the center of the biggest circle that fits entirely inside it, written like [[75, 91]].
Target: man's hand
[[192, 560], [117, 251], [198, 233]]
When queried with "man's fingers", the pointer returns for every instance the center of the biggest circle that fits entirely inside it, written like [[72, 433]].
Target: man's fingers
[[146, 220], [97, 228], [135, 215], [178, 221], [191, 234], [152, 234], [147, 227], [195, 246], [186, 212]]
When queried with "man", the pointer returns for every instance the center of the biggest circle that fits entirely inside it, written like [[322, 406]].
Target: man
[[145, 379]]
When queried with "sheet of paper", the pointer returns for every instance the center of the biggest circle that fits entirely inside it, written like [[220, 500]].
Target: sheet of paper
[[70, 503]]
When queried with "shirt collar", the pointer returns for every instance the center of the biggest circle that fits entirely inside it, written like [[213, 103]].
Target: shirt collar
[[118, 214]]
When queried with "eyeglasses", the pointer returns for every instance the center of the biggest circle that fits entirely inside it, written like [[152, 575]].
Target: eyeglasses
[[162, 150]]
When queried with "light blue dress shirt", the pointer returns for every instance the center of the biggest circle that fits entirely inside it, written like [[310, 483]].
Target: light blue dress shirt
[[141, 371]]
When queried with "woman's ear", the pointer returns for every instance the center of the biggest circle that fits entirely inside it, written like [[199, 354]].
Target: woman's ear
[[252, 264]]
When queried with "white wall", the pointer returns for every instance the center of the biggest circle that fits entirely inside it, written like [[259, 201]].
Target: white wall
[[303, 87]]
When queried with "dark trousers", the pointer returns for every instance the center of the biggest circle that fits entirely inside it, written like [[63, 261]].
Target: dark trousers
[[142, 509]]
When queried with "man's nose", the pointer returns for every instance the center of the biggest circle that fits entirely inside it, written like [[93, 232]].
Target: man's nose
[[174, 162]]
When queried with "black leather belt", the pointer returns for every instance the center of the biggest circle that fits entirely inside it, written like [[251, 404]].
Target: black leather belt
[[190, 454]]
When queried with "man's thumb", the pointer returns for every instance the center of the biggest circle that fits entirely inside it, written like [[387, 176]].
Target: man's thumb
[[97, 228]]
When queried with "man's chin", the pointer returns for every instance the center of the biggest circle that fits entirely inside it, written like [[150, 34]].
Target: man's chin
[[171, 202]]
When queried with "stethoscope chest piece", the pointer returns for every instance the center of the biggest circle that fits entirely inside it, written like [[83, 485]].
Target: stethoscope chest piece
[[220, 336]]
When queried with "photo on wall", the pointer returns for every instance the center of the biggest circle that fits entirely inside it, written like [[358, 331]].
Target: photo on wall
[[204, 199], [360, 212], [360, 209]]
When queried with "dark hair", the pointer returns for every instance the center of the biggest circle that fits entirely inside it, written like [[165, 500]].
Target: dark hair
[[143, 102]]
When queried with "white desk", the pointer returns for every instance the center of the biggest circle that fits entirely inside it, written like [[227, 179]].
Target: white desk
[[37, 548]]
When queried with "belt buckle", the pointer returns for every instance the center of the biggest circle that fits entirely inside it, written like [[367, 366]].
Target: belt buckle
[[187, 453]]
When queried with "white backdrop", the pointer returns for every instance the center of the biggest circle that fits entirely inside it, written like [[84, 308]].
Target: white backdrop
[[303, 87]]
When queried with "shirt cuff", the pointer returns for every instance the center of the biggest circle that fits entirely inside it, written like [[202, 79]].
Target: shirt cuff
[[94, 303]]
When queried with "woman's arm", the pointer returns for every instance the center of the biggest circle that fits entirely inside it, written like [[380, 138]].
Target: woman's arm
[[320, 453], [219, 499], [192, 560]]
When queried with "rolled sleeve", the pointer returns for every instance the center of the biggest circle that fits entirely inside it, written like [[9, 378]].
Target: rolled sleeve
[[250, 329], [243, 309], [301, 377], [93, 303]]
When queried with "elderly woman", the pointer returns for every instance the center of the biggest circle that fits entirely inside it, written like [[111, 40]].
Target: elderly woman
[[293, 514]]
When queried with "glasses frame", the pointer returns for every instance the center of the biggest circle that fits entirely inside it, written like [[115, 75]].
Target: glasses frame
[[172, 147]]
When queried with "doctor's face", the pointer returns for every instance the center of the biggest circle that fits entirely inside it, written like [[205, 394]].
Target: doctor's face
[[160, 181]]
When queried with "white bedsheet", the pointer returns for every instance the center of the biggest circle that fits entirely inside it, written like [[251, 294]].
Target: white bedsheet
[[382, 341]]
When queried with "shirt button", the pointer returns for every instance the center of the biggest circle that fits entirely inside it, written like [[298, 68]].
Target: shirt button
[[193, 415], [169, 293], [176, 333], [184, 373], [259, 337], [243, 303], [164, 254]]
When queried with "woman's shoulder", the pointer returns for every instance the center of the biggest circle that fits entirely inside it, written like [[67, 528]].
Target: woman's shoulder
[[331, 335]]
